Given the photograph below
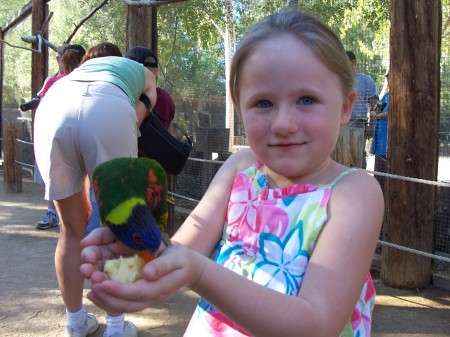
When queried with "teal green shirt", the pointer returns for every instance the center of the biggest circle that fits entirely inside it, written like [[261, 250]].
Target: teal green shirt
[[127, 74]]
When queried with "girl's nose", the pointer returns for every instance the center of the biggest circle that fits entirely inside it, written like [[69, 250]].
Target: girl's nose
[[285, 121]]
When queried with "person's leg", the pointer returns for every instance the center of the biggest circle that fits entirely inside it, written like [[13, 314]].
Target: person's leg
[[74, 213], [116, 326], [61, 164], [50, 218]]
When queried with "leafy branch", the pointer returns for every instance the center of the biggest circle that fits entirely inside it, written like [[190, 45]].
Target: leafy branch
[[91, 14], [40, 40]]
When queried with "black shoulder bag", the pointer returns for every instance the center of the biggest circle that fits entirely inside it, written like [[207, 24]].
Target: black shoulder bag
[[158, 143]]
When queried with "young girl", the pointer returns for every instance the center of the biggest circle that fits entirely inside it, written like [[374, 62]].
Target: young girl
[[292, 233]]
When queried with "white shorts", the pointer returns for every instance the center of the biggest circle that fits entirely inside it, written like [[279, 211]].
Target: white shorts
[[79, 125]]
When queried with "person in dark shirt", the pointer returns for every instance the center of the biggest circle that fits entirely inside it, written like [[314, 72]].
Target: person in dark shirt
[[164, 107]]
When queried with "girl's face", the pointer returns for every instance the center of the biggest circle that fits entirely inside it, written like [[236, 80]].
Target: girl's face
[[292, 107]]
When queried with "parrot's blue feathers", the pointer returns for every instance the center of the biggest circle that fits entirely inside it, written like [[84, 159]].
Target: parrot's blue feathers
[[141, 231]]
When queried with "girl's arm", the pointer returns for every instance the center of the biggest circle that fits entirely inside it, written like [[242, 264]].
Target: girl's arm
[[333, 280], [343, 255]]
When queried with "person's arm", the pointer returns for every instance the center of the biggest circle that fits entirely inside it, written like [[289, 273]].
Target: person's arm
[[142, 112], [331, 286], [382, 115]]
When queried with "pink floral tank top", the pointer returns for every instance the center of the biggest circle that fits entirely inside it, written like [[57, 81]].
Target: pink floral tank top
[[269, 236]]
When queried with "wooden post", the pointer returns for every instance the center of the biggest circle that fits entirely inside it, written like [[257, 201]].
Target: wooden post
[[2, 61], [412, 142], [141, 27], [39, 61], [12, 131]]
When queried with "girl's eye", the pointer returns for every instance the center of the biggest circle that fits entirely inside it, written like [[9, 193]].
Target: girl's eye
[[306, 100], [264, 104]]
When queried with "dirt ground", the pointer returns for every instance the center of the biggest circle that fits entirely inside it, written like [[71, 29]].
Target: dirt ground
[[30, 303]]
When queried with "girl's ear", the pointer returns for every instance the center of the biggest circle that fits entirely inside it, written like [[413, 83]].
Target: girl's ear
[[347, 106]]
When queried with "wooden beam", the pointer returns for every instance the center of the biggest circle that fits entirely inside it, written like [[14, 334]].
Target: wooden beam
[[16, 19], [150, 2]]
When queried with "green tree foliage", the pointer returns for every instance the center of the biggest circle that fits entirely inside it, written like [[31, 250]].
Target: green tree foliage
[[108, 24], [190, 49], [16, 82], [66, 15], [191, 38]]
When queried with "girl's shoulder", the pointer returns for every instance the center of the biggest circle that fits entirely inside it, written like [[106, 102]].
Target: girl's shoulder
[[357, 186], [241, 160]]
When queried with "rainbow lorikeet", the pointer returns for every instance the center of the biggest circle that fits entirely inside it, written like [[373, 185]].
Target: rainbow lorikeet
[[131, 195]]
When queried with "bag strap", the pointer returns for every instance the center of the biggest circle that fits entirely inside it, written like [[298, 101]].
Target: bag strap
[[174, 124], [144, 99]]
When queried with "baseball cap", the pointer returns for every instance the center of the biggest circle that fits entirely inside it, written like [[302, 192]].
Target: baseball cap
[[140, 54], [76, 47]]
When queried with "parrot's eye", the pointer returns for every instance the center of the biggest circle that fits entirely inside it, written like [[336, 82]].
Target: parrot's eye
[[138, 238]]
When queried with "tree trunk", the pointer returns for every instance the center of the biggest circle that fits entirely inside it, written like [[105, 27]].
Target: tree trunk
[[412, 141]]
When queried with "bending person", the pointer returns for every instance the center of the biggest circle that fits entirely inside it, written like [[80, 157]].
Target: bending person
[[90, 117]]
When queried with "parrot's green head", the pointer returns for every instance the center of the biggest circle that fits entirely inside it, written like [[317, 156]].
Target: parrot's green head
[[140, 231]]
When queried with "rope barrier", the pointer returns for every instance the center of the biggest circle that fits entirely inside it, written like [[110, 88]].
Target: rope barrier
[[24, 142], [179, 196], [24, 164], [416, 180], [207, 160], [414, 251]]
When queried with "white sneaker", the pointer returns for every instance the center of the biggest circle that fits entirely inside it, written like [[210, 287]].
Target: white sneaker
[[90, 327], [129, 330], [50, 220]]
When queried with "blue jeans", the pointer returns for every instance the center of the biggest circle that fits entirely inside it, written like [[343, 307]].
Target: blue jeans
[[95, 218]]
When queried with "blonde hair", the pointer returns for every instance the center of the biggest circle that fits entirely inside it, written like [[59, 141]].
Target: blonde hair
[[311, 31]]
